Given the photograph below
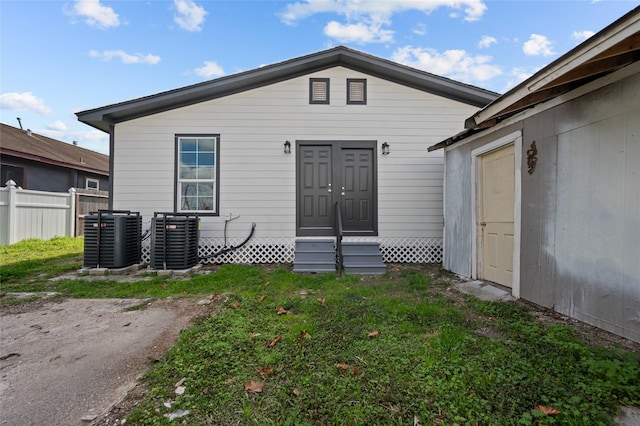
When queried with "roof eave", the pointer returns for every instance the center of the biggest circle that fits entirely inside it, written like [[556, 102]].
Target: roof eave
[[102, 118], [39, 159], [542, 83]]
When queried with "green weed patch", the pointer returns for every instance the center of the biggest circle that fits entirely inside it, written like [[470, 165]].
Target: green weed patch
[[290, 349], [345, 352], [26, 266]]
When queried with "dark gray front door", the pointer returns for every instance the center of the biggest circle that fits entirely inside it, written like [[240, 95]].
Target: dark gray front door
[[336, 171]]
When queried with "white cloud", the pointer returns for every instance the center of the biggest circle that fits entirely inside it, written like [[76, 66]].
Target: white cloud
[[25, 101], [94, 140], [420, 29], [473, 9], [210, 69], [126, 58], [537, 45], [57, 126], [357, 33], [486, 41], [190, 16], [95, 14], [456, 64], [582, 35], [518, 75], [91, 139], [365, 19]]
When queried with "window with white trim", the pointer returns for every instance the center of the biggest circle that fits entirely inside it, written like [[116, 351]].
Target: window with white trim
[[90, 183], [356, 91], [318, 90], [197, 182]]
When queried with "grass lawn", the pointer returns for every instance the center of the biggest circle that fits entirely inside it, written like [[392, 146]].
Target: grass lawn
[[292, 349]]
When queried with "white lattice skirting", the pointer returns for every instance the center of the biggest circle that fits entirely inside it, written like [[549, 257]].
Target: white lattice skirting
[[282, 250]]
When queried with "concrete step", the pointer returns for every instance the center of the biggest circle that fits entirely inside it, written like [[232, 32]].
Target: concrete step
[[365, 269], [362, 257], [314, 255]]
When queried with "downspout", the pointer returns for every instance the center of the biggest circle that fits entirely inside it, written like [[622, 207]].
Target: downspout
[[112, 139]]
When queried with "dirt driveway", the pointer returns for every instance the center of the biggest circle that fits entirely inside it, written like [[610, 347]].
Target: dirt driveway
[[67, 362]]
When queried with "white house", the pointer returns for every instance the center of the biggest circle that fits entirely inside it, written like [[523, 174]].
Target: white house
[[278, 146], [542, 191]]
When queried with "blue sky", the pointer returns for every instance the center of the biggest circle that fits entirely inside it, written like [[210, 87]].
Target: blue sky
[[61, 57]]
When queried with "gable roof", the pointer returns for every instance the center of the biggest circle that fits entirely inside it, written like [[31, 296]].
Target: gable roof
[[27, 145], [102, 118], [613, 48]]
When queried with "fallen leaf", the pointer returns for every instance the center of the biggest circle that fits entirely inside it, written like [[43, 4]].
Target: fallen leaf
[[265, 371], [356, 372], [164, 285], [297, 391], [216, 297], [273, 342], [180, 382], [303, 334], [321, 300], [261, 298], [342, 366], [373, 333], [549, 411], [281, 310], [266, 284], [235, 305], [253, 386], [180, 390]]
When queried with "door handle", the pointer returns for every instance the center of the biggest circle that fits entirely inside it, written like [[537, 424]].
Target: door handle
[[342, 193], [329, 189], [483, 224]]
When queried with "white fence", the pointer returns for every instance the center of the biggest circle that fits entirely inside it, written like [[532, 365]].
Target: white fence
[[28, 214]]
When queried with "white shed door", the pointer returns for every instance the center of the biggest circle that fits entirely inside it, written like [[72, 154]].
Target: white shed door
[[498, 200]]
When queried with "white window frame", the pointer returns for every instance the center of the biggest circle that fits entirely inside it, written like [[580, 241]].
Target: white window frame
[[88, 180], [197, 156]]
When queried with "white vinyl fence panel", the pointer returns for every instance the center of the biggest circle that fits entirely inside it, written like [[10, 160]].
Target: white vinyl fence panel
[[28, 214]]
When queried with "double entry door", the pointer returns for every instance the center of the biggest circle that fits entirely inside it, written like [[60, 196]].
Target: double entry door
[[336, 171]]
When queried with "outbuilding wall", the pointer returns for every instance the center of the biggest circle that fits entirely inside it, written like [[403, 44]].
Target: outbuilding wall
[[580, 217]]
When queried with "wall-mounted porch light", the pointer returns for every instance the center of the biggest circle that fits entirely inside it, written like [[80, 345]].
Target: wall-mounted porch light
[[287, 147], [385, 149]]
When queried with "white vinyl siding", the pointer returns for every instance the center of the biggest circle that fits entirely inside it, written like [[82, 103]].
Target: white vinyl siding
[[257, 180]]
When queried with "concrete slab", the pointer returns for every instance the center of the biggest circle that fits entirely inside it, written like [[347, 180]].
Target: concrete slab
[[629, 416], [484, 291]]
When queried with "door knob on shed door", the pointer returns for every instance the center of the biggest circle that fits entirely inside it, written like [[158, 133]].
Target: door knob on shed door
[[329, 189], [483, 224]]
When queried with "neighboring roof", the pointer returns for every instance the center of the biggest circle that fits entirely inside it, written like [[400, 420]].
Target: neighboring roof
[[615, 47], [32, 146], [102, 118]]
